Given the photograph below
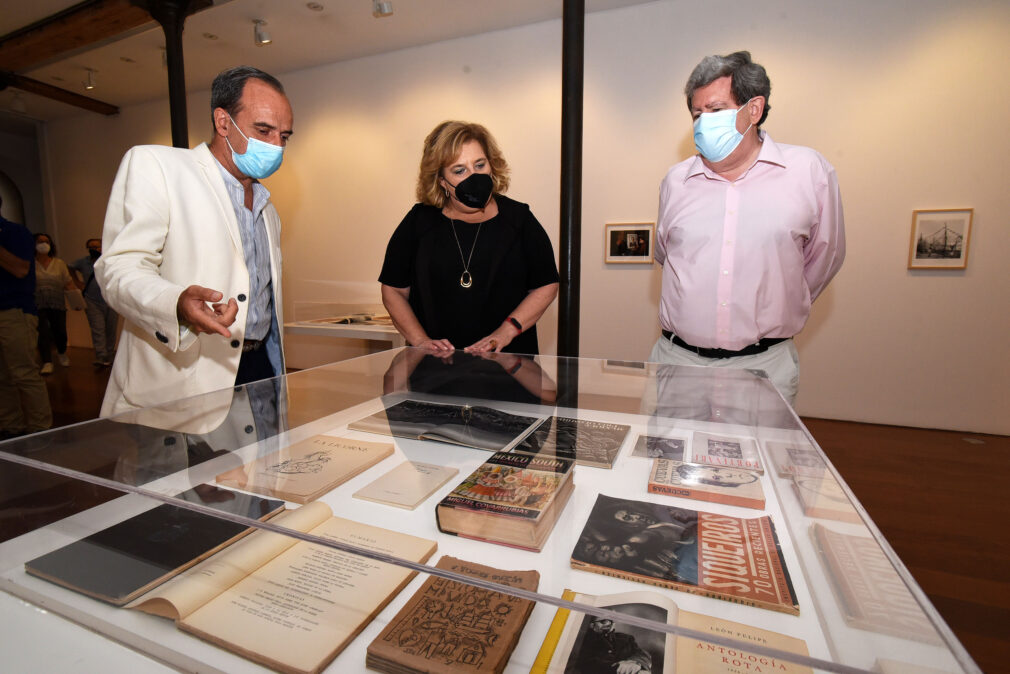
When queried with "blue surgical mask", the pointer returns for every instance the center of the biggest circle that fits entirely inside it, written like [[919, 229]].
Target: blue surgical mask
[[715, 134], [259, 160]]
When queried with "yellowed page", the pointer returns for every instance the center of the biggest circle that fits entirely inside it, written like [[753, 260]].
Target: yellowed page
[[700, 657], [302, 608], [188, 591]]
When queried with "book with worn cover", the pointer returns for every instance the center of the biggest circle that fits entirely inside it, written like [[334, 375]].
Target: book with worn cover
[[289, 604], [870, 593], [725, 450], [407, 485], [467, 425], [822, 497], [588, 443], [716, 484], [449, 626], [127, 559], [583, 642], [512, 499], [657, 447], [792, 458], [308, 469], [712, 555]]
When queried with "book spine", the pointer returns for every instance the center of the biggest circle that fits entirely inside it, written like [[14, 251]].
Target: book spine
[[497, 509], [711, 497]]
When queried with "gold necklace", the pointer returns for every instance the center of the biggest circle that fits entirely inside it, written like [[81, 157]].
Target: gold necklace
[[465, 279]]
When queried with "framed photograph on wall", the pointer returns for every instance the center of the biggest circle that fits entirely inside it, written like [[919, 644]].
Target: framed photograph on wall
[[940, 239], [629, 242]]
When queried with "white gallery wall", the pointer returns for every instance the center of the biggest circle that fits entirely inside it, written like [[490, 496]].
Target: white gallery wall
[[906, 99]]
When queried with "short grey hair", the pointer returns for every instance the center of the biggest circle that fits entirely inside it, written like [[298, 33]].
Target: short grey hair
[[747, 79]]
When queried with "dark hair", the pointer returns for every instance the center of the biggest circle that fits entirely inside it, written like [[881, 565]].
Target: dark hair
[[226, 92], [52, 244], [747, 79], [94, 238]]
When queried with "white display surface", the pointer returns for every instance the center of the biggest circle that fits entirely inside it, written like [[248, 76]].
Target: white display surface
[[819, 624]]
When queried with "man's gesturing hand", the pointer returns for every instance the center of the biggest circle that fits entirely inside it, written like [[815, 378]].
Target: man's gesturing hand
[[193, 310]]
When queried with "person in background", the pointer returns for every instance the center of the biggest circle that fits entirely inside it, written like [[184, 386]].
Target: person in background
[[191, 253], [102, 318], [467, 267], [24, 400], [52, 280], [750, 232]]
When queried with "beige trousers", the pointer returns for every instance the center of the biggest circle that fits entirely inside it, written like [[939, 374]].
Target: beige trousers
[[24, 399]]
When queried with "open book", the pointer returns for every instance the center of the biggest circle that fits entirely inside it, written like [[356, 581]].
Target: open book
[[127, 559], [285, 603], [580, 642], [467, 425]]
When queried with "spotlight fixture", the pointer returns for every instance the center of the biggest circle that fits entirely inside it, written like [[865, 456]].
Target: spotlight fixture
[[381, 8], [260, 36], [90, 83]]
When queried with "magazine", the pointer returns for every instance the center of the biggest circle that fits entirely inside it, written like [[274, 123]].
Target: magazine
[[719, 556]]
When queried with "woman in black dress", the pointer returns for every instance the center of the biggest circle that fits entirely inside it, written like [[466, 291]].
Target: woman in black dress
[[467, 267]]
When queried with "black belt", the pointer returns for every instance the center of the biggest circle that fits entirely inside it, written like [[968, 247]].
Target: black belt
[[252, 344], [760, 346]]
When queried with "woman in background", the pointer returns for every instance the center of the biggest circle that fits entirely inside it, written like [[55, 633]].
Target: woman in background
[[467, 267], [52, 279]]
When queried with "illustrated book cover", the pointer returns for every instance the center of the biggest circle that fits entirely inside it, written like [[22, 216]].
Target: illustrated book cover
[[127, 559], [467, 425], [513, 499], [716, 484], [712, 555], [455, 628], [584, 643], [796, 459], [308, 469], [407, 485], [656, 447], [870, 593], [588, 443], [285, 603], [823, 498], [724, 450]]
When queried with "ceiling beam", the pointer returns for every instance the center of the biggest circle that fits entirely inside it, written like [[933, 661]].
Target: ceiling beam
[[81, 26], [55, 93]]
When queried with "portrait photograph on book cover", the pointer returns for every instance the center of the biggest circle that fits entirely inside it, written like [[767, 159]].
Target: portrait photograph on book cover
[[602, 644]]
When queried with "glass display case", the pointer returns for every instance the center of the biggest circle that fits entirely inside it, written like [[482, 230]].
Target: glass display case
[[548, 514]]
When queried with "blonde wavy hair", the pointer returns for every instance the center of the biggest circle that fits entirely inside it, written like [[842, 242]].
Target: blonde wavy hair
[[443, 145]]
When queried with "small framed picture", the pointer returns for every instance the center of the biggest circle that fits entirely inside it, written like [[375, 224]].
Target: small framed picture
[[629, 242], [940, 239]]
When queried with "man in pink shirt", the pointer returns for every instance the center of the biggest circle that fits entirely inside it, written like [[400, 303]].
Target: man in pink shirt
[[750, 232]]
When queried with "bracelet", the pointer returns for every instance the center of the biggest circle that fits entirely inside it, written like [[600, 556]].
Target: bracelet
[[516, 323]]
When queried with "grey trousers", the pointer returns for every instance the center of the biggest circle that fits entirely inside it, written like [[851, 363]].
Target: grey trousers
[[103, 321]]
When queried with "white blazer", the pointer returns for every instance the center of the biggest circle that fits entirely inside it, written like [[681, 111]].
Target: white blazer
[[170, 224]]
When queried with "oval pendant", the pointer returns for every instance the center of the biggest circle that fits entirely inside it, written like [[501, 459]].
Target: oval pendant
[[466, 280]]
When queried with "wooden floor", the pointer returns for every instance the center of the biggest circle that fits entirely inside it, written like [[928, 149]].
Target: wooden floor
[[937, 496]]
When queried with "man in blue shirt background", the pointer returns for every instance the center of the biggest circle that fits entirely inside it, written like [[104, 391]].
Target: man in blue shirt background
[[24, 400]]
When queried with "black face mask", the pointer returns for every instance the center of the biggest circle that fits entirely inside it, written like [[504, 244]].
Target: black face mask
[[475, 191], [95, 253]]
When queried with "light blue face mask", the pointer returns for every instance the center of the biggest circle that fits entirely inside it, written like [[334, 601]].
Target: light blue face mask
[[715, 134], [259, 160]]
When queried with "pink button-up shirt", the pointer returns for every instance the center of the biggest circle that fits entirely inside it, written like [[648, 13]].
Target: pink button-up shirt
[[744, 260]]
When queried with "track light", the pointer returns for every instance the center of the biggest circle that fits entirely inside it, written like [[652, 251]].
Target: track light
[[90, 84], [382, 8], [260, 36]]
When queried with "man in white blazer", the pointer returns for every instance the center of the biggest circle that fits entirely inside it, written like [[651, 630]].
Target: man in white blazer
[[187, 228]]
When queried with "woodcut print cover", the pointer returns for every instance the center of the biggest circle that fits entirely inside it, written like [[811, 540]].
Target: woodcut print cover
[[467, 425], [514, 485], [716, 484], [729, 558], [725, 450], [589, 443], [448, 626], [870, 593]]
